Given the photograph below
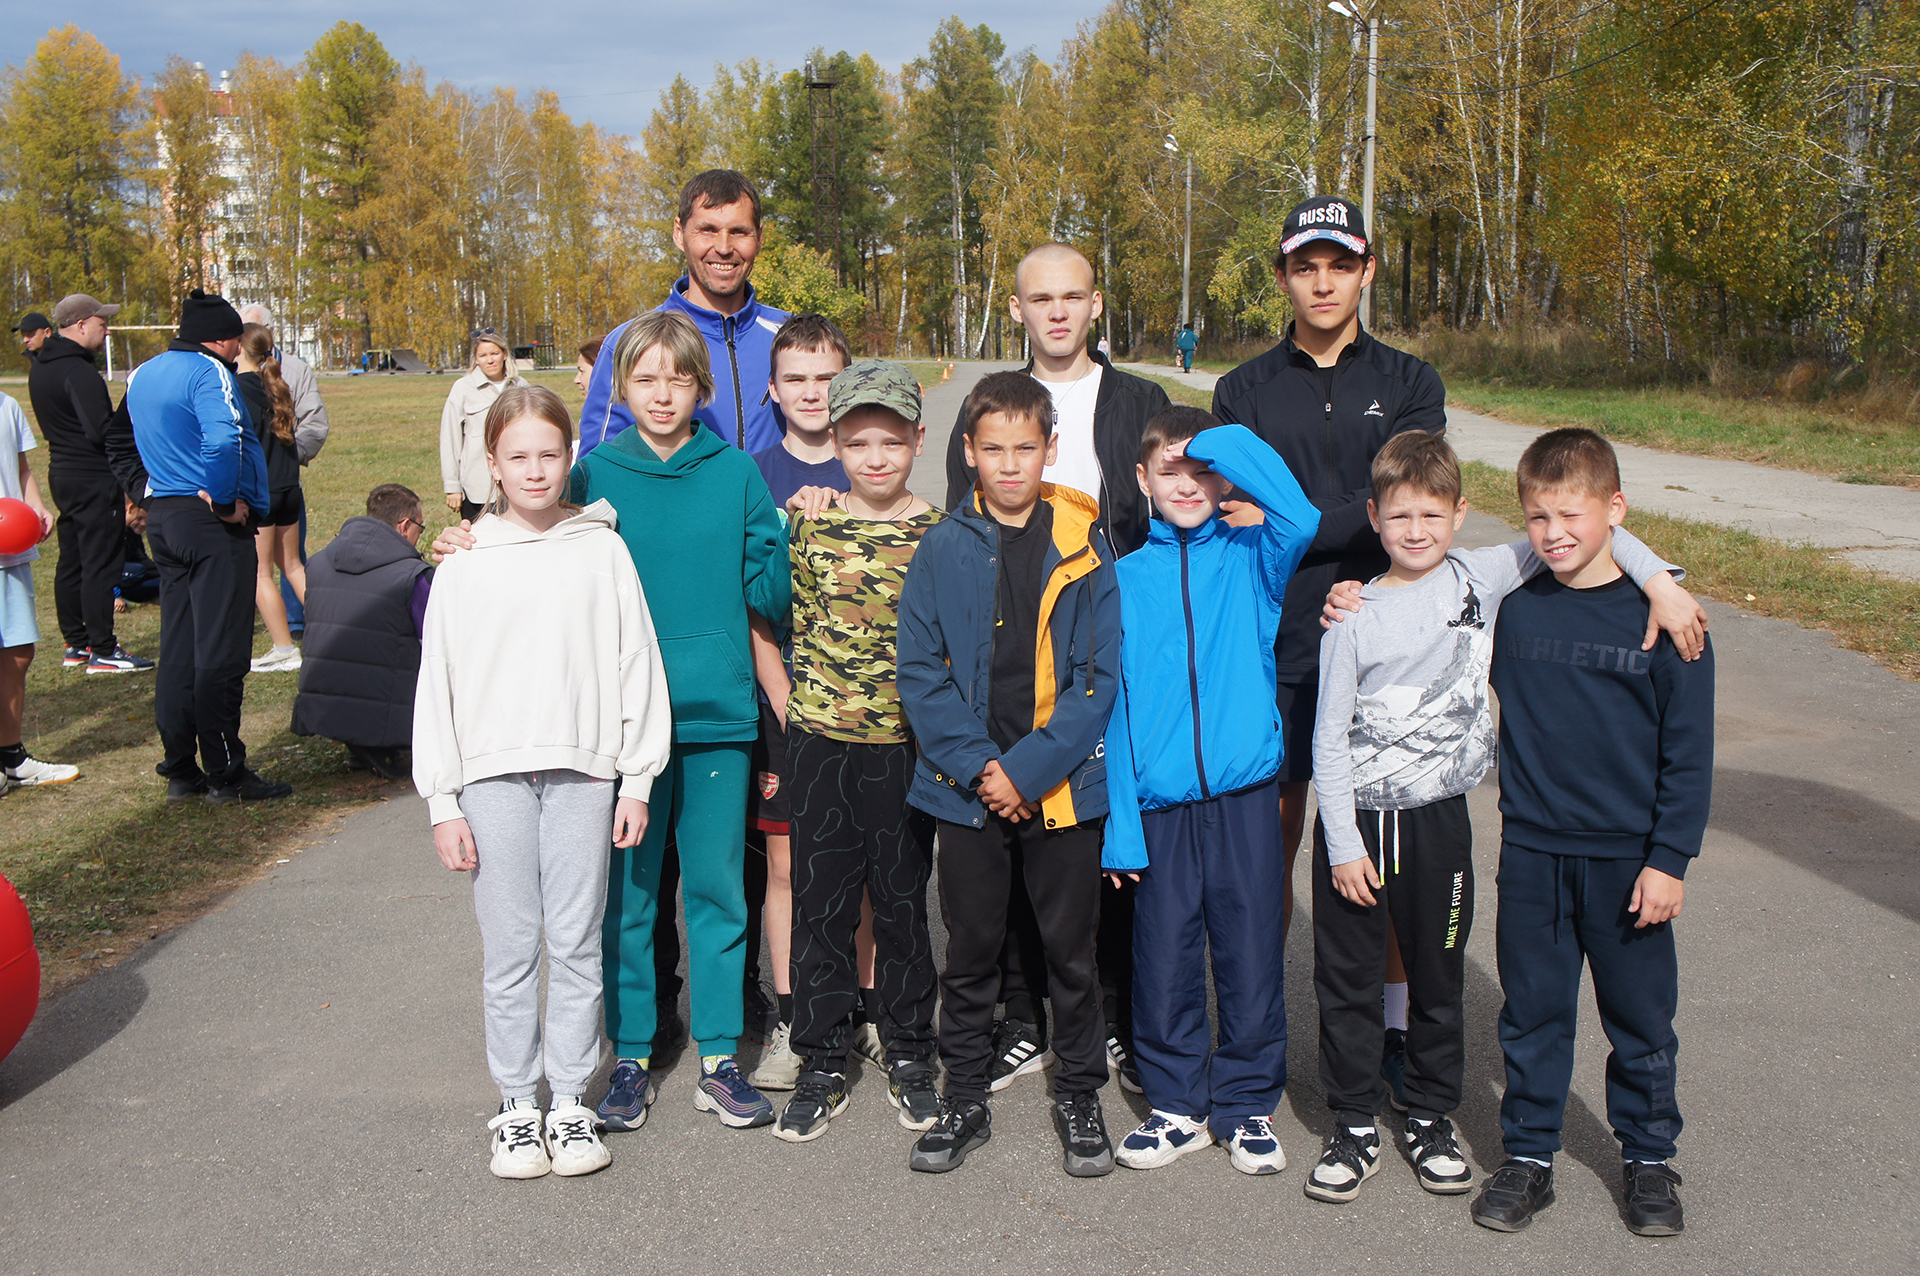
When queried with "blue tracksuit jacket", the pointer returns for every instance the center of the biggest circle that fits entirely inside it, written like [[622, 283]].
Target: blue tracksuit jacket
[[740, 348], [1199, 611], [193, 430], [945, 656]]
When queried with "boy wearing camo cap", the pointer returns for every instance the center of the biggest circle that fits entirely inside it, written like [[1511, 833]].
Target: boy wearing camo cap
[[850, 758]]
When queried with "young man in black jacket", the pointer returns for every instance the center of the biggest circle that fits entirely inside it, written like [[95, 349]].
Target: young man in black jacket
[[1326, 398], [1099, 415], [71, 401]]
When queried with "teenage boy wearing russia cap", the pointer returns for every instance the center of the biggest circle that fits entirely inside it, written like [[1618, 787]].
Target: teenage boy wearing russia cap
[[1326, 398]]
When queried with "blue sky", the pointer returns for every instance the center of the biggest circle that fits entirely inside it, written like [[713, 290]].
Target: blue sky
[[607, 61]]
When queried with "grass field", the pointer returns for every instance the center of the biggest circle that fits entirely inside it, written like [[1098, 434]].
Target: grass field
[[103, 863]]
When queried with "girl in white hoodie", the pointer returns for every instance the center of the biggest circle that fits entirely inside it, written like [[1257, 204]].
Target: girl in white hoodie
[[540, 692]]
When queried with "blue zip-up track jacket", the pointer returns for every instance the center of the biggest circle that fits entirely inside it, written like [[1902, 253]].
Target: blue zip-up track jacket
[[740, 348], [193, 430], [1199, 611]]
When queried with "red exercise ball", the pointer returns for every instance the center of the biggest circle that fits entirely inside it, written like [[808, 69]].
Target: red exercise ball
[[19, 526], [19, 969]]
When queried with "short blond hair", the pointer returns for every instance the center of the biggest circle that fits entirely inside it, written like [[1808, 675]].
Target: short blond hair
[[686, 349]]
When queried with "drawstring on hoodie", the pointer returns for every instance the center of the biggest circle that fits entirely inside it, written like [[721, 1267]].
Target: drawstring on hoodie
[[1563, 867], [1381, 838]]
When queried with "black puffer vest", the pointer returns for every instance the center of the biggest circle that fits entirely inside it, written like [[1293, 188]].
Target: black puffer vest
[[361, 655]]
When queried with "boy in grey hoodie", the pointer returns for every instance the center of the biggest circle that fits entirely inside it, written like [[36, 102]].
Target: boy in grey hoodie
[[1404, 729]]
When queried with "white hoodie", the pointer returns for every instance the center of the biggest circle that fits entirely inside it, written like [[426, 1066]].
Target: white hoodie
[[539, 655]]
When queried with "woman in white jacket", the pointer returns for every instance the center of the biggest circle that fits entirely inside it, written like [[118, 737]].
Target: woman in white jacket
[[540, 691], [463, 423]]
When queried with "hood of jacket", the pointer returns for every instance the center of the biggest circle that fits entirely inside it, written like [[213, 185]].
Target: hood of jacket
[[493, 531], [629, 450], [366, 543], [58, 347]]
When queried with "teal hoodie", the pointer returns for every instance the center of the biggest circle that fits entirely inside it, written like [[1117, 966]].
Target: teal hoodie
[[706, 540]]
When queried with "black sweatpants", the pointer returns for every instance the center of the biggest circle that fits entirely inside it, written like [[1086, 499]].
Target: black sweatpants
[[1062, 872], [1023, 970], [207, 573], [92, 531], [1424, 855], [852, 829], [1555, 911]]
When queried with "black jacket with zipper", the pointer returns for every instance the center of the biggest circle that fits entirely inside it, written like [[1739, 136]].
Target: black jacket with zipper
[[1327, 424], [71, 401], [1120, 414]]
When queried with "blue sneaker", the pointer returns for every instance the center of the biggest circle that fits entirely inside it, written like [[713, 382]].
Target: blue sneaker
[[628, 1097], [726, 1094], [1393, 1067]]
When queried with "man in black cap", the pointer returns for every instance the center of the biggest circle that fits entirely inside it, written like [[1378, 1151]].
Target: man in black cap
[[206, 486], [73, 406], [34, 331], [1326, 398]]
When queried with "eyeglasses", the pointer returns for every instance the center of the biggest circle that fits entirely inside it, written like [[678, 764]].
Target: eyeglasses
[[416, 522]]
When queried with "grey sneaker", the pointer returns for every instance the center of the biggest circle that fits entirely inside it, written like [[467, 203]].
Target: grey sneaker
[[963, 1125]]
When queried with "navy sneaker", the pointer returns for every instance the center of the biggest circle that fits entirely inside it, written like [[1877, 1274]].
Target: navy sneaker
[[729, 1096], [1393, 1067], [75, 658], [118, 660], [628, 1097]]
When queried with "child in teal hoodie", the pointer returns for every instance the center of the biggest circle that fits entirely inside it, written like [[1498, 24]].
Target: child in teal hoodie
[[707, 542]]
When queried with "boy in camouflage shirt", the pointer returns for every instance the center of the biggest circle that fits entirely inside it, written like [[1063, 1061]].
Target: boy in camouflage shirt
[[851, 757]]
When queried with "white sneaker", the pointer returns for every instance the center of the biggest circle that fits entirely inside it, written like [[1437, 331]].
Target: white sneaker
[[519, 1151], [1254, 1148], [779, 1067], [1349, 1160], [572, 1142], [1162, 1139], [867, 1044], [277, 661], [33, 771]]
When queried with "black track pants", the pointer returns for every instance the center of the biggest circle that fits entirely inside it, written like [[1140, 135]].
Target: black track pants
[[207, 573], [1061, 868], [92, 532], [1428, 895], [852, 829]]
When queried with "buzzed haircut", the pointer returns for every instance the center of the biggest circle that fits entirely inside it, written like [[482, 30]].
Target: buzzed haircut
[[1418, 459], [815, 334], [392, 504], [590, 350], [1012, 394], [1170, 426], [1571, 460], [716, 188], [1053, 250]]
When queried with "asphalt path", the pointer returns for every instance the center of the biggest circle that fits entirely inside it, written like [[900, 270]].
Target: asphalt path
[[296, 1082]]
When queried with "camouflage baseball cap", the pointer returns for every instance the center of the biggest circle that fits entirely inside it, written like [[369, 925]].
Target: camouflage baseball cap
[[878, 383]]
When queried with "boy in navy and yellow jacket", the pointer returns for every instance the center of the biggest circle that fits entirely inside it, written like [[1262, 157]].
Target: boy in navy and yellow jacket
[[1193, 802], [1009, 654]]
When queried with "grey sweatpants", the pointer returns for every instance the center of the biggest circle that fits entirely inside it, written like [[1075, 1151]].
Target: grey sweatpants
[[544, 840]]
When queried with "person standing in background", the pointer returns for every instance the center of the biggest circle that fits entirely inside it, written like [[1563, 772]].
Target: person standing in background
[[463, 422], [270, 403], [309, 433]]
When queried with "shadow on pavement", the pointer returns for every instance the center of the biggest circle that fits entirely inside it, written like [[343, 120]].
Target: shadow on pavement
[[1846, 837], [72, 1027]]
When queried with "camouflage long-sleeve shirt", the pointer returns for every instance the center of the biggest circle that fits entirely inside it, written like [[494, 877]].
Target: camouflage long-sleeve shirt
[[847, 576]]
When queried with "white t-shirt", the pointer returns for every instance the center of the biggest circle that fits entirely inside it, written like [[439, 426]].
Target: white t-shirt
[[1075, 463], [16, 437]]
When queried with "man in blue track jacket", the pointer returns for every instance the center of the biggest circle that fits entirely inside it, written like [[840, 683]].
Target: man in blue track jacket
[[206, 485], [718, 228]]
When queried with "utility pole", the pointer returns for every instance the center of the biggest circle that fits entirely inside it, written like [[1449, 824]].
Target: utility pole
[[823, 118], [1370, 19]]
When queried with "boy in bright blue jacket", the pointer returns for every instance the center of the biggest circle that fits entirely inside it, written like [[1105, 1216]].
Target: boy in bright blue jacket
[[1009, 654], [1193, 807]]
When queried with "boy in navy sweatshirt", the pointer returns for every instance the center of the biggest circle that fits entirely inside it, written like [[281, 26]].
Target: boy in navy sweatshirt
[[1606, 772]]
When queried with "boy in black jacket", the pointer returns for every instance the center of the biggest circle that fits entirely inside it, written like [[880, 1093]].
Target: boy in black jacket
[[1606, 771], [1099, 416]]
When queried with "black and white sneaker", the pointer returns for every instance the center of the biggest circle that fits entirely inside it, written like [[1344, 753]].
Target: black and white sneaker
[[1349, 1160], [963, 1125], [1653, 1199], [118, 660], [1017, 1050], [1120, 1063], [911, 1088], [1088, 1153], [818, 1097], [1436, 1157]]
